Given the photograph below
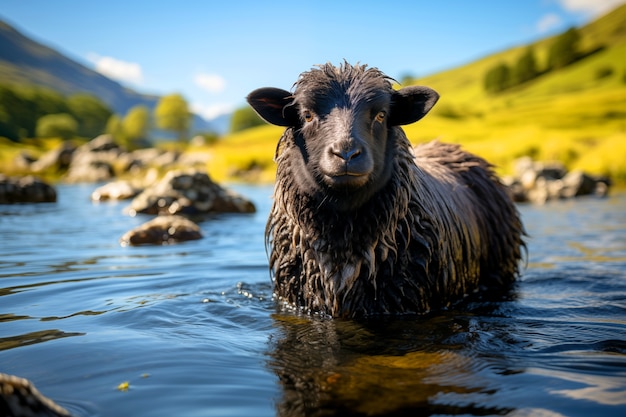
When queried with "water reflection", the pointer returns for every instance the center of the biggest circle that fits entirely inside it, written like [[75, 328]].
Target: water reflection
[[598, 389], [424, 366], [34, 338]]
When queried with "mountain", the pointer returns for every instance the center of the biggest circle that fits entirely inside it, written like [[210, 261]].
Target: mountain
[[24, 61]]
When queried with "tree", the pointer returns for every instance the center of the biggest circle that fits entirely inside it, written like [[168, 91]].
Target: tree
[[135, 125], [564, 50], [90, 113], [41, 101], [114, 128], [172, 113], [407, 79], [526, 67], [7, 130], [244, 118], [10, 108], [498, 78], [21, 107], [17, 114], [60, 125]]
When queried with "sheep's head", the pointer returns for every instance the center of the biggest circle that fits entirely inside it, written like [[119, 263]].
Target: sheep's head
[[343, 120]]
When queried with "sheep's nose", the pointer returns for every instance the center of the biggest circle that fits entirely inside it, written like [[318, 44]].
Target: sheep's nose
[[347, 153]]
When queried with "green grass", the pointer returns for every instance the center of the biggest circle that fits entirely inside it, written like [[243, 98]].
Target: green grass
[[247, 155]]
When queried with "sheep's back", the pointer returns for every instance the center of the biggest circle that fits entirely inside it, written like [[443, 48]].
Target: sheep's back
[[484, 215]]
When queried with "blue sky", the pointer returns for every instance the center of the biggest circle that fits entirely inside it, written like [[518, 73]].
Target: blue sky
[[215, 52]]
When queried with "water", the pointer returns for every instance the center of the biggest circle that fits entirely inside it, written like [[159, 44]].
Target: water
[[193, 329]]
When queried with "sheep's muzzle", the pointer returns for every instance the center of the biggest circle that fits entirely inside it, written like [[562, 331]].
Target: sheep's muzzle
[[346, 164]]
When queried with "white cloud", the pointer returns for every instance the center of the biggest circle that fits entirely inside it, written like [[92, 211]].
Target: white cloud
[[212, 111], [117, 69], [548, 22], [591, 8], [212, 83], [587, 8]]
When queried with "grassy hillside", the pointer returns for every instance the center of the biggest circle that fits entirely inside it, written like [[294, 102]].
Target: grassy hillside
[[576, 114]]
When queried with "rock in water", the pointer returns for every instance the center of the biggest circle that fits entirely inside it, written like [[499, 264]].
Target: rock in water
[[189, 193], [93, 161], [162, 230], [28, 189], [20, 398], [539, 182], [116, 190]]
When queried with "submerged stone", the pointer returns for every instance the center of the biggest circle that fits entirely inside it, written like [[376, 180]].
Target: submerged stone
[[28, 189], [189, 193], [116, 190], [94, 161], [19, 397], [163, 230], [539, 182]]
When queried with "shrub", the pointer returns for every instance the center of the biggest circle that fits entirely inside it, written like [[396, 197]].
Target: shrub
[[244, 118], [565, 49], [498, 78], [604, 72], [526, 67], [60, 125], [90, 113]]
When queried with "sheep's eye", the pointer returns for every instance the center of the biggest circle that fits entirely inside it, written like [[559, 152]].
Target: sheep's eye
[[308, 116], [380, 116]]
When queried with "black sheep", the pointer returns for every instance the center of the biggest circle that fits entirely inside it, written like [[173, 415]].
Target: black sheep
[[364, 225]]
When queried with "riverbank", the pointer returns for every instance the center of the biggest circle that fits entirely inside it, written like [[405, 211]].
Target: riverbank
[[248, 156]]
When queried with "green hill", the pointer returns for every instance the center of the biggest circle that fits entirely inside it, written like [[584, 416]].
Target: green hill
[[576, 114], [26, 62]]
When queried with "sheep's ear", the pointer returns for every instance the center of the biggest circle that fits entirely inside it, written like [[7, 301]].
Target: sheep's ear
[[410, 104], [274, 106]]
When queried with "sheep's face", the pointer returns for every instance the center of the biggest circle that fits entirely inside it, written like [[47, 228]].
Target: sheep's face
[[343, 121]]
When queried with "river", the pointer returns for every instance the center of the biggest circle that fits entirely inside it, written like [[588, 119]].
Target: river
[[193, 331]]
